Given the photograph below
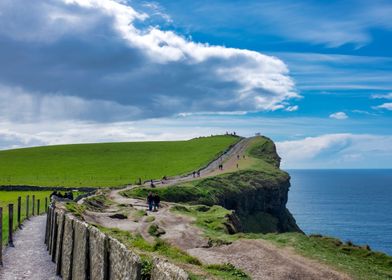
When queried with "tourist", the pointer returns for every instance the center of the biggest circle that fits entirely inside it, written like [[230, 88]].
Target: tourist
[[157, 200], [150, 201], [194, 174], [53, 194]]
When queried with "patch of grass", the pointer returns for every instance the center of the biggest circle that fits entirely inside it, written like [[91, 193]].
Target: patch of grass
[[76, 209], [155, 230], [149, 219], [357, 261], [264, 148], [146, 267], [212, 219], [108, 164], [97, 203], [11, 197], [137, 215], [228, 270]]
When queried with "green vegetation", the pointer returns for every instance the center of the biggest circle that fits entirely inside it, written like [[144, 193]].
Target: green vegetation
[[264, 149], [76, 209], [108, 164], [11, 197], [97, 203], [155, 230], [357, 261], [213, 190], [228, 271], [213, 220]]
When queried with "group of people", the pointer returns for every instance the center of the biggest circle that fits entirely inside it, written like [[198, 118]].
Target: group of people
[[153, 201], [68, 195], [196, 173], [220, 166]]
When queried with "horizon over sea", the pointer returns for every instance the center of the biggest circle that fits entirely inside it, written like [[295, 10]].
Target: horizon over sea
[[350, 204]]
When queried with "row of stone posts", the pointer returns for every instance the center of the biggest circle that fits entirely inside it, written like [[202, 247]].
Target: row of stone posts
[[35, 211]]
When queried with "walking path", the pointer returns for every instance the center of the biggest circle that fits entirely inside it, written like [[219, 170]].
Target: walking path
[[29, 259]]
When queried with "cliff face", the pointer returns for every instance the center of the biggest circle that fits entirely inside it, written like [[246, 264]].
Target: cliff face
[[258, 198], [258, 193]]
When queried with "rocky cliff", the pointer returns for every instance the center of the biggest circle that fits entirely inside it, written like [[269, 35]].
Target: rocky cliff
[[258, 192]]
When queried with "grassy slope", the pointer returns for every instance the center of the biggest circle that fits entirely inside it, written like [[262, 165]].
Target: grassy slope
[[107, 164], [12, 198], [261, 164]]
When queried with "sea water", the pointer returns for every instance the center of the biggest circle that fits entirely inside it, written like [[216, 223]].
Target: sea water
[[353, 205]]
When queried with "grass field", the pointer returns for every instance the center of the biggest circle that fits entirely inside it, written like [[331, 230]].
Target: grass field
[[11, 197], [107, 164]]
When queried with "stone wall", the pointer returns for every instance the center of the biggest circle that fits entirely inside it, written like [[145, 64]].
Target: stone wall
[[81, 252]]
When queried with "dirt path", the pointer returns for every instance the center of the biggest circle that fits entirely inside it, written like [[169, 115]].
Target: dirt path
[[264, 261], [29, 258], [229, 161]]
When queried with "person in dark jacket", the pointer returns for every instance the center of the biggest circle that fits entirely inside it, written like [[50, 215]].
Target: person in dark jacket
[[157, 200], [150, 201]]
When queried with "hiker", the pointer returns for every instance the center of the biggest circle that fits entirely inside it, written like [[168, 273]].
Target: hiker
[[198, 173], [238, 156], [194, 173], [157, 200], [69, 195], [237, 165], [53, 194], [150, 201], [152, 184]]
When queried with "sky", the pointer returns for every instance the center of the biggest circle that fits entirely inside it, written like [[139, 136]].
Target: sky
[[315, 76]]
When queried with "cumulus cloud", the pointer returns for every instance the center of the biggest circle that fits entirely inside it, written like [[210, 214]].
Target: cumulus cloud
[[339, 116], [337, 151], [86, 59]]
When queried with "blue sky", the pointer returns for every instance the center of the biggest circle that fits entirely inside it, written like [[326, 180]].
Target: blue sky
[[315, 76]]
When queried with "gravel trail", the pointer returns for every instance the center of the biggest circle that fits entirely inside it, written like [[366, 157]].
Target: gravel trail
[[29, 259]]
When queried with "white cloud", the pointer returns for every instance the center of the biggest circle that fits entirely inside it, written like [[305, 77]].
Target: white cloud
[[337, 151], [382, 96], [292, 108], [105, 53], [387, 106], [339, 116]]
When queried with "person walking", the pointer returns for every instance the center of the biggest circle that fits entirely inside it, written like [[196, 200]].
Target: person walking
[[157, 200], [150, 201]]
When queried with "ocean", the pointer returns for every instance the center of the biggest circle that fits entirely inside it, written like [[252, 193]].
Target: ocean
[[351, 205]]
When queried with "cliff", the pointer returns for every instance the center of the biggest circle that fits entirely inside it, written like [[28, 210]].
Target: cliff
[[257, 192]]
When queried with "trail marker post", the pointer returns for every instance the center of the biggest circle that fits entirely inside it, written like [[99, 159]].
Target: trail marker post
[[46, 205], [38, 202], [1, 236], [19, 209], [27, 206], [10, 224], [32, 210]]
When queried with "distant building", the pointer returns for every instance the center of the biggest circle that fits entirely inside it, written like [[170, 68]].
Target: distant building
[[258, 134]]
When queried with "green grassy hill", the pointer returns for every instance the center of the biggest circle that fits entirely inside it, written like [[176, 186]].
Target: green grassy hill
[[107, 164]]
